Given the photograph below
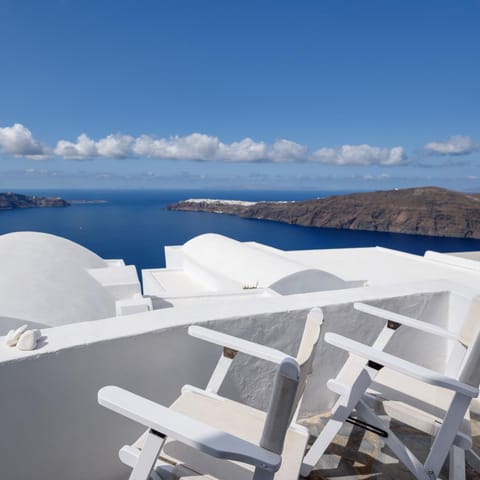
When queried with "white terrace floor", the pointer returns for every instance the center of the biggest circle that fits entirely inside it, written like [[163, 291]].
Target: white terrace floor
[[357, 454]]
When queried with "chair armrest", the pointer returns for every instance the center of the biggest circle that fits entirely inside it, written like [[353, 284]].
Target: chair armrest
[[403, 366], [238, 344], [191, 432], [403, 320]]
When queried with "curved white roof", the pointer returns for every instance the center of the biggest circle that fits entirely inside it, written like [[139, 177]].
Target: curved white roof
[[44, 279], [253, 266], [245, 263]]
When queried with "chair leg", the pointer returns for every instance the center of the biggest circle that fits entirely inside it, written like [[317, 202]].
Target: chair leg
[[340, 412], [322, 442], [394, 443], [148, 457], [444, 440], [456, 464]]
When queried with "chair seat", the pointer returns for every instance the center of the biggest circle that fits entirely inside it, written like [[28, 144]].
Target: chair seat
[[408, 400], [239, 420]]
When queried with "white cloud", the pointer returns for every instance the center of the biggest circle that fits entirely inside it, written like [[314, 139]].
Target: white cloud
[[85, 148], [199, 146], [202, 147], [112, 146], [287, 151], [196, 146], [246, 150], [456, 145], [18, 140], [361, 155], [115, 146]]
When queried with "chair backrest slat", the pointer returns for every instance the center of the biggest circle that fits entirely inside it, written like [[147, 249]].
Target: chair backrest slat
[[471, 324], [290, 384], [469, 336], [311, 334], [307, 348], [281, 405]]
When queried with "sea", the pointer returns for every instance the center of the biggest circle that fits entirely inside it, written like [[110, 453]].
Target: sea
[[135, 225]]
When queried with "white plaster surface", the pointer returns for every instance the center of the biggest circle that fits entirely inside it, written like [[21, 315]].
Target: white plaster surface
[[469, 260], [470, 255], [382, 266], [46, 281], [51, 425], [244, 263], [70, 436], [129, 306], [221, 265]]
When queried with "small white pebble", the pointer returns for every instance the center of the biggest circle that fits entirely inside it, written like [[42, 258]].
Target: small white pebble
[[28, 340], [14, 335], [10, 339]]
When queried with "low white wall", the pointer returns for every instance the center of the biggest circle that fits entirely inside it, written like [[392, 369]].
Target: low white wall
[[52, 427], [283, 331]]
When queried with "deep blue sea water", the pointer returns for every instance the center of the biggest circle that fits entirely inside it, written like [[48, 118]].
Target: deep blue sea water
[[135, 225]]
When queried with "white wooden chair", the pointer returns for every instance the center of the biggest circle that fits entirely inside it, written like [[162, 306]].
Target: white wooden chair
[[207, 435], [432, 402]]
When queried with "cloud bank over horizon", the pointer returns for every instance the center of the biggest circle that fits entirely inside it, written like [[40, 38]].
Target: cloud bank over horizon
[[18, 141], [201, 147], [455, 145]]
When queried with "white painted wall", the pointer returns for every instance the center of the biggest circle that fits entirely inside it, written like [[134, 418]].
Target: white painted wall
[[465, 261], [52, 427]]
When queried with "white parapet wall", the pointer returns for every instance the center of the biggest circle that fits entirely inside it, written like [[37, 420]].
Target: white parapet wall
[[52, 427], [468, 261]]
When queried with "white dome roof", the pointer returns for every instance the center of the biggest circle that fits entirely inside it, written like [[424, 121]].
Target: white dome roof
[[236, 260], [44, 279], [253, 266]]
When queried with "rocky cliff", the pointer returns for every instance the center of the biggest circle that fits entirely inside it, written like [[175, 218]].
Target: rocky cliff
[[420, 211], [9, 201]]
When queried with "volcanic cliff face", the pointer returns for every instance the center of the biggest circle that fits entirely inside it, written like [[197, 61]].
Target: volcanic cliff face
[[9, 200], [420, 211]]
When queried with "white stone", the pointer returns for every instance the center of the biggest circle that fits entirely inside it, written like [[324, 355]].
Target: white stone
[[14, 335], [28, 340]]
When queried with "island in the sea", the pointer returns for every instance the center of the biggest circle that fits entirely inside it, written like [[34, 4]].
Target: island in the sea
[[10, 201], [418, 211]]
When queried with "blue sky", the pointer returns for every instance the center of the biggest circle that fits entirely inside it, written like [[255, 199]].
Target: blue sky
[[320, 94]]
